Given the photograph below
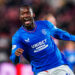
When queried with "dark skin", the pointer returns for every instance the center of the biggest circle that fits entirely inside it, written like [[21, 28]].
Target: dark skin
[[26, 16]]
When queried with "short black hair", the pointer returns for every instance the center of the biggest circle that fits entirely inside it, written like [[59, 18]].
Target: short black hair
[[26, 5]]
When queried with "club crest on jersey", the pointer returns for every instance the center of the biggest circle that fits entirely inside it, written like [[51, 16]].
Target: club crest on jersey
[[44, 31], [27, 40]]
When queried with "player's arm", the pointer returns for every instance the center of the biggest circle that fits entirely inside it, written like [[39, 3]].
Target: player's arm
[[17, 50], [59, 33], [15, 57]]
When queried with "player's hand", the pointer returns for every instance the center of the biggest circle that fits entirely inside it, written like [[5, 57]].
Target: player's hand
[[19, 52]]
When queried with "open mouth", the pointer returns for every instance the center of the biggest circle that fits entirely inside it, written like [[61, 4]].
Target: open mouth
[[27, 21]]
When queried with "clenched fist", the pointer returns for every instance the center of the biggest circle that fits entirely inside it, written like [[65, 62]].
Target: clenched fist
[[19, 51]]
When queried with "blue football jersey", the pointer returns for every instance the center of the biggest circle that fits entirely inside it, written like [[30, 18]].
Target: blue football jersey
[[39, 47]]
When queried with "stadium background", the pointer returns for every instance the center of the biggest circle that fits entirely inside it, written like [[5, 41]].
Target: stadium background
[[59, 12]]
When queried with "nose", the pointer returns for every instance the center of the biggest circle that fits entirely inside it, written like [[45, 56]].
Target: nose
[[27, 15]]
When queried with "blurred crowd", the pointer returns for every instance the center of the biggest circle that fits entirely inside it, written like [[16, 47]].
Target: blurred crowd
[[60, 12]]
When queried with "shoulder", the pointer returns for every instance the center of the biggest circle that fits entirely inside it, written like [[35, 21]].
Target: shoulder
[[45, 23], [41, 21], [18, 32], [16, 36]]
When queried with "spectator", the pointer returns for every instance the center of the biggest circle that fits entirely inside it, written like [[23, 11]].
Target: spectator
[[5, 44], [69, 52]]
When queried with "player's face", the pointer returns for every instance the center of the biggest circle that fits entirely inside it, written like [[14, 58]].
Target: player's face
[[26, 16]]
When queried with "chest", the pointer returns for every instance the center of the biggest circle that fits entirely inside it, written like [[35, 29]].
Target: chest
[[39, 36]]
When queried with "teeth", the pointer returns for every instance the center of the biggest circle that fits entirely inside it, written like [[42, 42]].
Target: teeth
[[26, 19]]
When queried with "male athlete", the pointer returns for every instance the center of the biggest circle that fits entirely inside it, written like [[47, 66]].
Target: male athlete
[[33, 41]]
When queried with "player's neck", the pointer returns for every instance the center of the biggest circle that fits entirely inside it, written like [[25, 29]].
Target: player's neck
[[30, 28]]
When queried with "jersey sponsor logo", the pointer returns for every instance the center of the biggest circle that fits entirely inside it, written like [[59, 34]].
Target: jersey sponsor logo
[[39, 43], [13, 47], [27, 40], [40, 46]]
